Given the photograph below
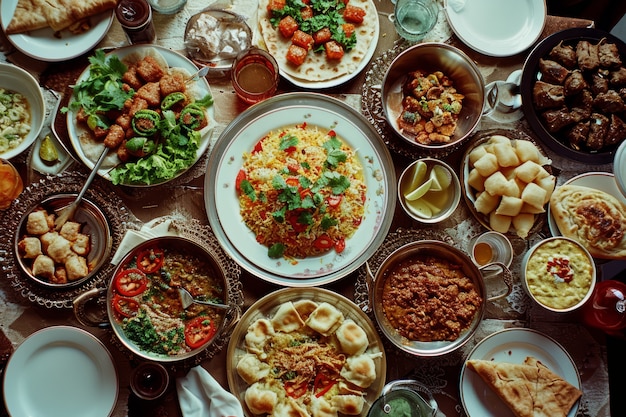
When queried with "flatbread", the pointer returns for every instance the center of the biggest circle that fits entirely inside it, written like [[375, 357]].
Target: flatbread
[[592, 217], [529, 389], [317, 68], [56, 14]]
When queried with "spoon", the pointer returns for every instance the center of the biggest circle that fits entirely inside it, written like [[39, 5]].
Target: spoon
[[68, 212], [187, 299], [202, 72]]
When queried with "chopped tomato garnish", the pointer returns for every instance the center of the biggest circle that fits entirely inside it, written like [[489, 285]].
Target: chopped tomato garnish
[[322, 384], [340, 245], [150, 260], [241, 175], [293, 221], [295, 391], [324, 242], [130, 282], [198, 331], [258, 147], [334, 200]]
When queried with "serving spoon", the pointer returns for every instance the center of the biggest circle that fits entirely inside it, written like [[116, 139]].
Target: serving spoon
[[68, 212], [187, 299]]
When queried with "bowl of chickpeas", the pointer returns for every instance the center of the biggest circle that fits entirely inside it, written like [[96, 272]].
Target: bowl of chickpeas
[[22, 110]]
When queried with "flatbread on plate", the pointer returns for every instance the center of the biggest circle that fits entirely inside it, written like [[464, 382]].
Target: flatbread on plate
[[57, 14], [529, 389], [316, 67], [592, 217]]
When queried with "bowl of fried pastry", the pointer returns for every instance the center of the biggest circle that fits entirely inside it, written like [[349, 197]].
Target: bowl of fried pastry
[[573, 90], [69, 256]]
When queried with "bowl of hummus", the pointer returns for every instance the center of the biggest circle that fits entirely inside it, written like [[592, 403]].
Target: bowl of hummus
[[559, 274]]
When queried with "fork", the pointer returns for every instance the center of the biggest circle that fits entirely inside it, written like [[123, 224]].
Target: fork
[[187, 299]]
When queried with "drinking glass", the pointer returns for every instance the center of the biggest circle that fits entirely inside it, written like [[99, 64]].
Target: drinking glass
[[254, 75], [11, 185], [413, 19]]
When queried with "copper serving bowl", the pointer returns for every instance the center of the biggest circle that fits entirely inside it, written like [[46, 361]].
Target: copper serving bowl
[[173, 244], [457, 66], [376, 282], [93, 223]]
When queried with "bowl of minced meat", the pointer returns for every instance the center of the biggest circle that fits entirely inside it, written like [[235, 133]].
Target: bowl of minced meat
[[428, 297]]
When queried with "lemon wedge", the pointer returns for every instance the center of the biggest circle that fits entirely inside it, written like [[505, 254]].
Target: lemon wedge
[[441, 178], [420, 208], [47, 151], [419, 192], [419, 175]]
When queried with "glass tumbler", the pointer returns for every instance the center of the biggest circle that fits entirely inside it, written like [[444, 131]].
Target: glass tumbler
[[413, 19], [11, 185], [254, 75]]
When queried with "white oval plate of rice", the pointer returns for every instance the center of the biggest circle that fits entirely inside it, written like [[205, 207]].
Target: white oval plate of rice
[[222, 200]]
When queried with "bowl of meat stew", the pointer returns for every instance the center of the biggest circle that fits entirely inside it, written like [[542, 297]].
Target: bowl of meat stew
[[428, 297], [573, 90], [433, 96]]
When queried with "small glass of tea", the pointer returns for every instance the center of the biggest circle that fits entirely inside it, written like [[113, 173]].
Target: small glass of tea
[[254, 75], [149, 380], [491, 247], [11, 185]]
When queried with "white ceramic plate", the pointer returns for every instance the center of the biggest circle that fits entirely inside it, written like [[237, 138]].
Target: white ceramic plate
[[244, 132], [173, 59], [512, 345], [64, 369], [603, 181], [46, 45], [497, 27]]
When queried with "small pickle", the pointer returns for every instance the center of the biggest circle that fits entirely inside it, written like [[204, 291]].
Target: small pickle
[[145, 122], [48, 151], [173, 99]]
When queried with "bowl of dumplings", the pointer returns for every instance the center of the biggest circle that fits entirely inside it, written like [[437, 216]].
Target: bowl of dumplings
[[572, 88], [67, 257], [298, 351], [507, 182]]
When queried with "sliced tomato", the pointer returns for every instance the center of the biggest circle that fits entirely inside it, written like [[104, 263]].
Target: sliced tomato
[[293, 221], [334, 200], [324, 242], [295, 390], [198, 331], [322, 384], [124, 306], [241, 175], [259, 146], [130, 282], [340, 245], [150, 260]]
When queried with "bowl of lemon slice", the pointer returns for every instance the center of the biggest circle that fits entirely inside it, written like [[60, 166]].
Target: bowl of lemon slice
[[429, 190]]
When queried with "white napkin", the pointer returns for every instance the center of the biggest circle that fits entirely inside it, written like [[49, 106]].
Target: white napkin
[[132, 238], [200, 395]]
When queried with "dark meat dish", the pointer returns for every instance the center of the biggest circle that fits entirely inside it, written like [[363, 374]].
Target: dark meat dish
[[581, 94]]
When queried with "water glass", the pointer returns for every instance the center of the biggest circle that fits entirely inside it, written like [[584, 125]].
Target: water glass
[[413, 19], [491, 247]]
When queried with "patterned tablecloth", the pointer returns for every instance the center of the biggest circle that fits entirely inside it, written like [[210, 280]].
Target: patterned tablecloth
[[24, 310]]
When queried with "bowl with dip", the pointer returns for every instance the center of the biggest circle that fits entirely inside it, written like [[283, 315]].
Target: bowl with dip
[[559, 274], [22, 106], [429, 190]]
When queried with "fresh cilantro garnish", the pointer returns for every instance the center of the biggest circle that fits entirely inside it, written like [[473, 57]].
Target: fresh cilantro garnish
[[247, 189], [288, 141], [276, 250], [328, 222]]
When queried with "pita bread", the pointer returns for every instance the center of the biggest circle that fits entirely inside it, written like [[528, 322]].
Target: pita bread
[[529, 389], [592, 217], [317, 68], [57, 14]]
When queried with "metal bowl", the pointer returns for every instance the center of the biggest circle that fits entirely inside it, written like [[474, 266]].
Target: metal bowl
[[446, 200], [93, 223], [16, 79], [547, 257], [441, 250], [530, 74], [267, 306], [455, 64]]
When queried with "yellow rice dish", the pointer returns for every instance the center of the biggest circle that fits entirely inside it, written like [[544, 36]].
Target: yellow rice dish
[[301, 191]]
